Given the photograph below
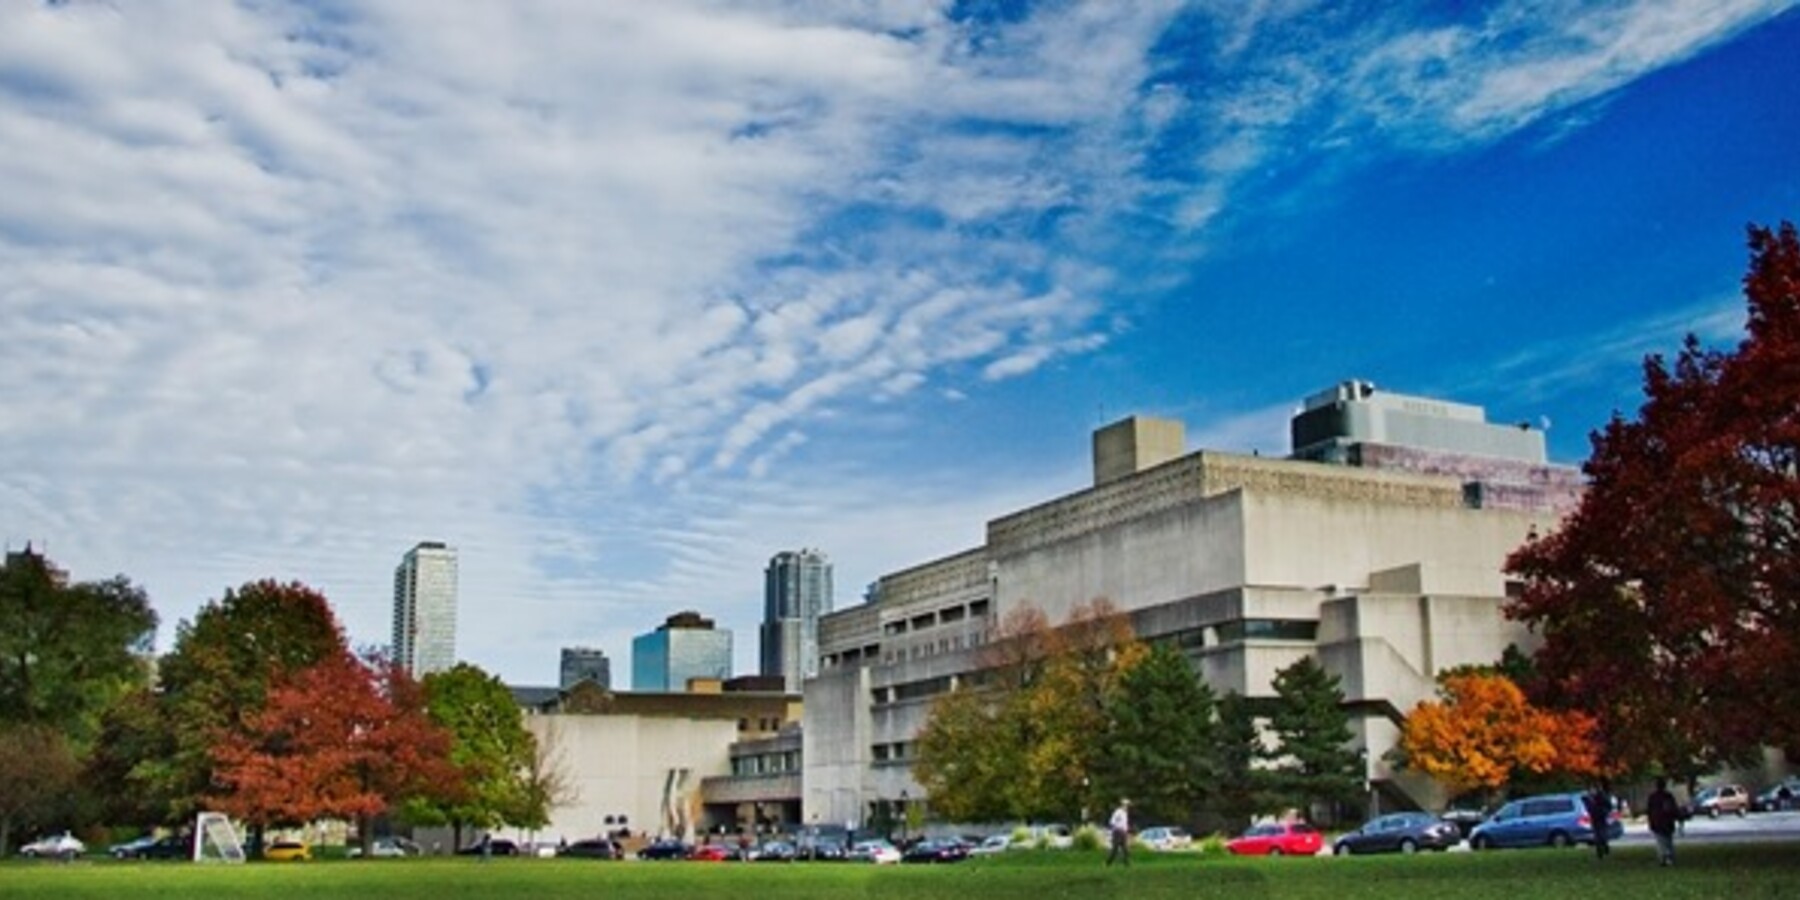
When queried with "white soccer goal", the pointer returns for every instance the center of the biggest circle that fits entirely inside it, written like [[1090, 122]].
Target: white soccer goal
[[215, 840]]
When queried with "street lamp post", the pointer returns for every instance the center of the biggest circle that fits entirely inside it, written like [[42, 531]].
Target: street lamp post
[[904, 819]]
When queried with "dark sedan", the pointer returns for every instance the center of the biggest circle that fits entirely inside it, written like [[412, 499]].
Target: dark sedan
[[496, 847], [665, 849], [173, 846], [936, 851], [593, 848], [1400, 833]]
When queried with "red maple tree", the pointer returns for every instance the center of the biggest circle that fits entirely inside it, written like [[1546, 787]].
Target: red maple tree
[[1669, 602], [341, 739]]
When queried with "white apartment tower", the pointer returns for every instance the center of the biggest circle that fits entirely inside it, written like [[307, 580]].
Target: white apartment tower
[[425, 609]]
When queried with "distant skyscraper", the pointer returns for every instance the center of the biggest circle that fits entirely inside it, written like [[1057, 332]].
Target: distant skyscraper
[[796, 592], [425, 609], [686, 646], [585, 664]]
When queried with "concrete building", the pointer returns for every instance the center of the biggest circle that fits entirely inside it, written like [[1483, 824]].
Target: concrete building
[[796, 592], [425, 609], [685, 647], [665, 763], [1385, 565], [585, 664]]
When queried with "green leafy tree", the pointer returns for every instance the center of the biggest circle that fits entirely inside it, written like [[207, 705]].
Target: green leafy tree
[[489, 745], [38, 772], [67, 651], [964, 764], [1675, 586], [1025, 740], [1159, 738], [219, 674], [1315, 765], [1237, 761], [131, 761]]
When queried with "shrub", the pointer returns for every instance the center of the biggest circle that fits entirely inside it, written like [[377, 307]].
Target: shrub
[[1087, 837], [1212, 843]]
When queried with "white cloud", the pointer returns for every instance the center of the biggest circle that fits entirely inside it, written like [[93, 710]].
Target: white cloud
[[583, 288]]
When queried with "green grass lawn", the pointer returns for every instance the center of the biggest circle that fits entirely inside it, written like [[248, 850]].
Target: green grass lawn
[[1739, 872]]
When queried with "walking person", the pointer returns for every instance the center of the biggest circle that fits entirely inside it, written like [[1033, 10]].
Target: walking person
[[1120, 826], [1664, 813], [1599, 806]]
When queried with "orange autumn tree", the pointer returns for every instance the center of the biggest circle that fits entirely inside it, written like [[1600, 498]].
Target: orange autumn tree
[[342, 739], [1483, 732]]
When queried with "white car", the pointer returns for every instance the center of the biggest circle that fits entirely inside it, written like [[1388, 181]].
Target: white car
[[991, 845], [878, 852], [387, 848], [62, 846], [1164, 839]]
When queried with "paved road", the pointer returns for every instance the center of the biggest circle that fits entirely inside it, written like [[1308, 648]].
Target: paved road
[[1774, 826]]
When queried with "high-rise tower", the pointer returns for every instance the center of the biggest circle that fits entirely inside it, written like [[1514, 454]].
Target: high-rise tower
[[685, 647], [425, 609], [796, 592], [585, 664]]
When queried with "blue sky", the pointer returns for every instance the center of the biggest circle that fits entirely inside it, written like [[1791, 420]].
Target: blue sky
[[622, 298]]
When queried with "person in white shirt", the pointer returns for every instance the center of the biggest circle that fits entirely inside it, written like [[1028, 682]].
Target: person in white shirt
[[1120, 825]]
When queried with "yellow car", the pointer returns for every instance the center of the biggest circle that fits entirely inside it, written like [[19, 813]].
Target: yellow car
[[287, 851]]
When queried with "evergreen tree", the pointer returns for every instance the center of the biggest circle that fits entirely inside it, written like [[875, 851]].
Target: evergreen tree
[[1159, 738], [1315, 764], [1238, 752]]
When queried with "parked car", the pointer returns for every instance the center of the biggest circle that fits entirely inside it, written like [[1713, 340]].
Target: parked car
[[392, 847], [1719, 799], [495, 847], [1776, 797], [945, 850], [710, 853], [58, 846], [169, 846], [667, 848], [1465, 820], [876, 851], [1278, 839], [820, 850], [129, 849], [1554, 820], [1400, 832], [992, 844], [777, 851], [1166, 838], [593, 848], [287, 851]]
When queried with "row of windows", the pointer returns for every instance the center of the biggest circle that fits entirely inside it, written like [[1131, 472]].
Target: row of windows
[[764, 723], [851, 657], [894, 751], [924, 649], [1240, 630], [945, 616], [766, 763]]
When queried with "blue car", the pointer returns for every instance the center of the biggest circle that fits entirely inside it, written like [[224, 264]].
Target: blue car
[[1548, 820]]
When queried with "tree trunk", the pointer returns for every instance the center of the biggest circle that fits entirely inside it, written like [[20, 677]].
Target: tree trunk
[[365, 836], [456, 836]]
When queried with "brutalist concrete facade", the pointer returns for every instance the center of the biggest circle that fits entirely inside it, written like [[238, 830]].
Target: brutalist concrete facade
[[1386, 575]]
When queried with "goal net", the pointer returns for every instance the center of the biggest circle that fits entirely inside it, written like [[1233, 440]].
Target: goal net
[[215, 840]]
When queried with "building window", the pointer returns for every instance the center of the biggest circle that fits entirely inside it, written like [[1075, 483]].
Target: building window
[[743, 724], [1267, 630]]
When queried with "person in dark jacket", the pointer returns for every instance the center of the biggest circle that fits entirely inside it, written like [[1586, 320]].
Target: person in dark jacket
[[1599, 806], [1663, 814]]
